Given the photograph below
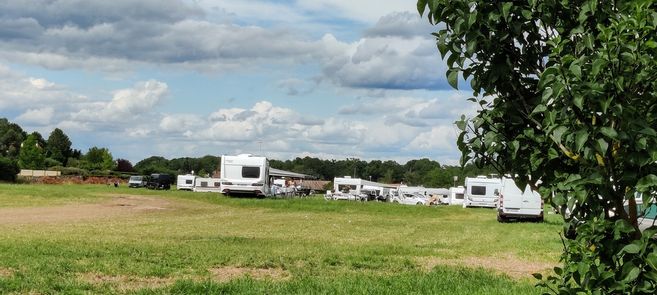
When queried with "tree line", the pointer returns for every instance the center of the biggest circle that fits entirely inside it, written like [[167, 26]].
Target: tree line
[[20, 150]]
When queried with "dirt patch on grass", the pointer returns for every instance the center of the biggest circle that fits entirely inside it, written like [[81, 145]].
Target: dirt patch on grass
[[6, 272], [227, 273], [125, 283], [507, 264], [116, 205]]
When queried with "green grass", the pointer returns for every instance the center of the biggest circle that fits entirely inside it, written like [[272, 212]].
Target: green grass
[[323, 247]]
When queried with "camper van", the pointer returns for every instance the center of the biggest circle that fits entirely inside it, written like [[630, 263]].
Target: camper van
[[518, 204], [185, 182], [481, 191], [245, 175], [137, 181], [207, 185], [159, 181]]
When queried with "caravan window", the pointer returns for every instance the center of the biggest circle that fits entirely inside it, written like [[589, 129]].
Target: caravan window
[[251, 172], [478, 190], [217, 184], [345, 188], [459, 196], [204, 183], [188, 181]]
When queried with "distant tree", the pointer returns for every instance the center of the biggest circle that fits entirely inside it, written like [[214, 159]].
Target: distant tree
[[98, 159], [8, 169], [11, 137], [40, 140], [123, 165], [32, 155], [58, 146]]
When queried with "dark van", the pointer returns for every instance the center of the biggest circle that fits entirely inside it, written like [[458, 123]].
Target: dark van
[[159, 181]]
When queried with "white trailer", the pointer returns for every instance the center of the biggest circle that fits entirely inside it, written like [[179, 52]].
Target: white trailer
[[207, 185], [361, 187], [185, 182], [481, 191], [455, 196], [245, 175]]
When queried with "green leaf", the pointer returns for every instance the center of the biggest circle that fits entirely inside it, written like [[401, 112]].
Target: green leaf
[[651, 259], [631, 249], [576, 70], [609, 132], [580, 139], [506, 9], [632, 275], [645, 183], [598, 64], [453, 78], [578, 101], [539, 109], [421, 5]]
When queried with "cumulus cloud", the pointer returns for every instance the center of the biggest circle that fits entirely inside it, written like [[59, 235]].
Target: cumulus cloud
[[126, 104], [401, 24], [41, 116], [18, 92]]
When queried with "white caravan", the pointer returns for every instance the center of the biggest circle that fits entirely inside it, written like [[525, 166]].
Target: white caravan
[[207, 185], [245, 175], [516, 204], [455, 196], [185, 182], [361, 187], [481, 191], [411, 190]]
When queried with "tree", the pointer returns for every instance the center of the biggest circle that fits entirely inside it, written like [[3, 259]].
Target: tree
[[98, 159], [11, 137], [8, 169], [58, 146], [568, 96], [123, 165], [32, 155]]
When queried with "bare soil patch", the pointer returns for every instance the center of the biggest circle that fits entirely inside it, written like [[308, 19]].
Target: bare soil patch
[[6, 272], [125, 283], [507, 264], [117, 205], [227, 273]]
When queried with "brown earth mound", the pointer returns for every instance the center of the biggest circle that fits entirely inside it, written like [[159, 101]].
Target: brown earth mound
[[125, 283], [75, 180]]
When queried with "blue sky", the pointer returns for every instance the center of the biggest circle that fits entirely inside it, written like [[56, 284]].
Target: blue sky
[[325, 78]]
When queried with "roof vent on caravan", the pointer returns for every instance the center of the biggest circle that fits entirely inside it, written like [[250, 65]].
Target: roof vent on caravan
[[347, 176]]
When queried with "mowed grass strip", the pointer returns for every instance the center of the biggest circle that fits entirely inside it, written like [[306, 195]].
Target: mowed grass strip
[[182, 242]]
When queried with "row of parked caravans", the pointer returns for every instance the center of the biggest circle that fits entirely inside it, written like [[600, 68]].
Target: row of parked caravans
[[501, 193]]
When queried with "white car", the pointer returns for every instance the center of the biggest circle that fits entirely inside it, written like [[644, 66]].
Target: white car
[[340, 196], [410, 199]]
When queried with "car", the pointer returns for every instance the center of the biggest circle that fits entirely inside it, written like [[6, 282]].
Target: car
[[410, 199], [137, 181]]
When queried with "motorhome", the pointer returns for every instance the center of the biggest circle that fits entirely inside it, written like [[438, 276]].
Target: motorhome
[[207, 185], [185, 182], [481, 191], [455, 196], [411, 190], [245, 174], [518, 204]]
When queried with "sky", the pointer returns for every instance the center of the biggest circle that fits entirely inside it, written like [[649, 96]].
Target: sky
[[332, 79]]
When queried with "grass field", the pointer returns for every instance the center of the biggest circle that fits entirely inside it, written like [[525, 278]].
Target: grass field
[[98, 239]]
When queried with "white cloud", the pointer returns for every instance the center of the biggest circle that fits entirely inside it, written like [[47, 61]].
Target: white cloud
[[127, 105], [362, 10], [41, 116]]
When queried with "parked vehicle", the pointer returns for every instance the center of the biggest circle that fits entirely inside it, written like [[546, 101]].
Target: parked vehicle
[[207, 185], [137, 181], [245, 175], [159, 181], [455, 196], [186, 182], [480, 191], [410, 199], [517, 204]]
